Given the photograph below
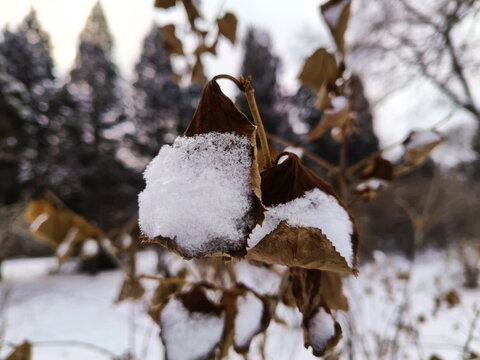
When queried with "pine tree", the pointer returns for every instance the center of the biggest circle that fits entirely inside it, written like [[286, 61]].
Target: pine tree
[[89, 175], [27, 52], [262, 65], [27, 59], [14, 112], [158, 109]]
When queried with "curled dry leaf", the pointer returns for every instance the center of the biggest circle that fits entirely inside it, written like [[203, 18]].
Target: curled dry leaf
[[375, 176], [320, 69], [418, 146], [306, 224], [227, 26], [321, 331], [211, 177], [165, 4], [331, 118], [323, 98], [191, 326], [61, 228], [336, 14], [172, 43], [247, 315], [21, 352]]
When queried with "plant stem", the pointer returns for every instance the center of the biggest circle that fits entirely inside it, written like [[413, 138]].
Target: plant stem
[[249, 93], [246, 87]]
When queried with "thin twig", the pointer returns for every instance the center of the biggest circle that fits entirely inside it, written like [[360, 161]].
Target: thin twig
[[466, 347]]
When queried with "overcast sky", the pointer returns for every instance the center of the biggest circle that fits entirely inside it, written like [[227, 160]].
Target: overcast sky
[[296, 31]]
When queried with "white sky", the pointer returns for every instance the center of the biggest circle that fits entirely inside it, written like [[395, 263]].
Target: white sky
[[296, 31]]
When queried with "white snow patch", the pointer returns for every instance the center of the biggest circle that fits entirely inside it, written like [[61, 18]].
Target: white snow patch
[[421, 138], [332, 15], [292, 149], [198, 191], [315, 209], [248, 320], [262, 280], [126, 241], [39, 220], [90, 247], [339, 103], [64, 247], [189, 335], [372, 184], [321, 328]]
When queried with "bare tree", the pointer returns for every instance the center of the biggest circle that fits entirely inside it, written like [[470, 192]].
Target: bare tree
[[435, 40]]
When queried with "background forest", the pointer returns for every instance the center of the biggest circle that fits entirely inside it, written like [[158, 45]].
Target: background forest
[[83, 140]]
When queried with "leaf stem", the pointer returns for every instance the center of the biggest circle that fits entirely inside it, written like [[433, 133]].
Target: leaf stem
[[249, 93], [246, 87]]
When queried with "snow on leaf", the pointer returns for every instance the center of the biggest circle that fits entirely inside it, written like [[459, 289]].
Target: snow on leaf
[[320, 329], [191, 326], [323, 332], [306, 224], [90, 248], [198, 193], [203, 193], [258, 278], [251, 319], [418, 146]]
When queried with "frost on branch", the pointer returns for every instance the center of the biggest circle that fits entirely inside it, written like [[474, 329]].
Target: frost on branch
[[306, 224], [191, 326], [202, 195]]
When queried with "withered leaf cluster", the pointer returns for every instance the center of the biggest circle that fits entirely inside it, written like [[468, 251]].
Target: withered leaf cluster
[[226, 26], [316, 265]]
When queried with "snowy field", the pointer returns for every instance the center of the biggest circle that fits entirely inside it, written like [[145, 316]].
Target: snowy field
[[72, 317]]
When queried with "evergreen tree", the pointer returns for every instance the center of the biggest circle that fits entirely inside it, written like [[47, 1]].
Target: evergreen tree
[[88, 174], [14, 112], [159, 96], [27, 59], [27, 52], [262, 65]]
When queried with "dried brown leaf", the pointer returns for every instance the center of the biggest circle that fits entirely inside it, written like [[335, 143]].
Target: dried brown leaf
[[217, 113], [192, 12], [21, 352], [203, 48], [320, 69], [306, 285], [173, 45], [331, 118], [377, 167], [195, 308], [131, 289], [323, 98], [198, 75], [417, 150], [331, 289], [298, 246], [165, 4], [336, 14], [227, 26]]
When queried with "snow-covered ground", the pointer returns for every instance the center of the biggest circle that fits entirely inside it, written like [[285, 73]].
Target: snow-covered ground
[[61, 312]]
